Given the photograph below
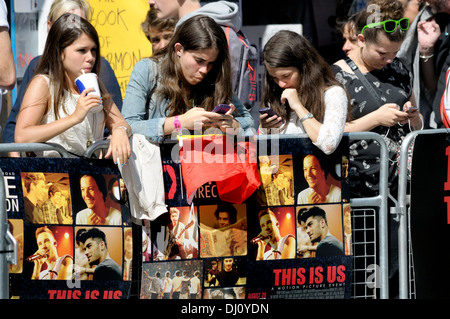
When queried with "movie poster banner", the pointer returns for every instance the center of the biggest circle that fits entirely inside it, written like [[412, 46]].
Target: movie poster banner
[[287, 240], [73, 228]]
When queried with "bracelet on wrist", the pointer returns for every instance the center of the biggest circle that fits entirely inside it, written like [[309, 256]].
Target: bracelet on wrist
[[425, 58], [177, 123], [125, 128], [306, 117]]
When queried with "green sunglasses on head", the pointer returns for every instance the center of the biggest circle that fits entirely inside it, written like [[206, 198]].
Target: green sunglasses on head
[[390, 25]]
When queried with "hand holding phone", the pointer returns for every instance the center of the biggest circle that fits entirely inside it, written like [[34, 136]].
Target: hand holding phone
[[412, 109], [269, 112]]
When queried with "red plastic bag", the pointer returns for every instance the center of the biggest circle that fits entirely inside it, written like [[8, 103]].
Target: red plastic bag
[[219, 158]]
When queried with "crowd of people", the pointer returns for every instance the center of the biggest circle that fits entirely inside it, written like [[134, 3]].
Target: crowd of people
[[180, 285], [392, 65], [391, 82]]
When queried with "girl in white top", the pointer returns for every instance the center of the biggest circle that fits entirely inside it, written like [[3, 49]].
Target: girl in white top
[[53, 110], [301, 89]]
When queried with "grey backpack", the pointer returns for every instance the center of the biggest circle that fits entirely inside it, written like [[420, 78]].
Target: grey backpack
[[244, 59]]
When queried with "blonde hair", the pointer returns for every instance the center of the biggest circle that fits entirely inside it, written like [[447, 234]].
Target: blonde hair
[[59, 7]]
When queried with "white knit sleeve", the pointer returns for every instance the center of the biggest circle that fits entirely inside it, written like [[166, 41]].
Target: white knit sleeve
[[332, 129]]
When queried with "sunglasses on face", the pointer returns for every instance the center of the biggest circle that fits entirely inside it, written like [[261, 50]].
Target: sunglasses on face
[[390, 25]]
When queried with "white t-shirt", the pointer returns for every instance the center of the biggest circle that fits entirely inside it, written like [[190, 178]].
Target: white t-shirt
[[194, 285], [3, 14], [114, 217], [333, 196], [3, 23]]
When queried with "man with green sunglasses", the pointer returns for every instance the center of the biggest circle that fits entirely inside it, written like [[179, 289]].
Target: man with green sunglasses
[[390, 25]]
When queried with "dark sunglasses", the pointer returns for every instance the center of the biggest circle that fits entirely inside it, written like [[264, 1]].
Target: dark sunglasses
[[390, 25]]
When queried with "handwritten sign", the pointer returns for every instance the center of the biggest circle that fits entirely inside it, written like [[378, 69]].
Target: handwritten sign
[[123, 44]]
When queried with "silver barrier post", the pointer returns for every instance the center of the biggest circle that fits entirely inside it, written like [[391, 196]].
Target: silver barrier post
[[8, 245], [33, 147], [382, 202], [403, 202], [103, 144]]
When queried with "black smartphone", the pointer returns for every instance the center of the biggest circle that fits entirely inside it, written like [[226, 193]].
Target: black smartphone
[[221, 108], [269, 111]]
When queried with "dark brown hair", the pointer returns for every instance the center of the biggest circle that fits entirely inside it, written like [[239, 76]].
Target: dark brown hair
[[197, 33], [290, 49], [152, 21]]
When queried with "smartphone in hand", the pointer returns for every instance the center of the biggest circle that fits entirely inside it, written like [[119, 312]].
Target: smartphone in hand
[[269, 111]]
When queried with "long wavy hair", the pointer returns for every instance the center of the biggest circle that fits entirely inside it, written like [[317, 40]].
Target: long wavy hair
[[197, 33], [64, 31], [290, 49]]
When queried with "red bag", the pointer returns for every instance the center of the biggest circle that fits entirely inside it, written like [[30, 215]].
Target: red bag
[[218, 158]]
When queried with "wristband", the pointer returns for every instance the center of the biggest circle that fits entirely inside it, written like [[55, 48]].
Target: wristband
[[307, 116], [177, 123]]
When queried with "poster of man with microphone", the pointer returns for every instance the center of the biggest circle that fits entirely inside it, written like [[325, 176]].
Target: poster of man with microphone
[[53, 258], [272, 243], [42, 194]]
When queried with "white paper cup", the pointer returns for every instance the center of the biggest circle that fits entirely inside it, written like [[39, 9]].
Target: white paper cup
[[89, 80]]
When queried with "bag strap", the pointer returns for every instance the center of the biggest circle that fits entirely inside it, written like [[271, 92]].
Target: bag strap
[[376, 98], [363, 79], [445, 100]]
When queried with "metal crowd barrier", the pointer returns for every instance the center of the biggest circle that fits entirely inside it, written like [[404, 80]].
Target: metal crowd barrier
[[33, 147], [402, 210], [8, 244], [372, 237]]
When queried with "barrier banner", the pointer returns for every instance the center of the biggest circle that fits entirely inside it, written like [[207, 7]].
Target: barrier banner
[[430, 205], [73, 228], [286, 240]]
